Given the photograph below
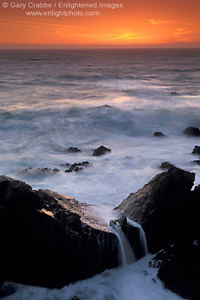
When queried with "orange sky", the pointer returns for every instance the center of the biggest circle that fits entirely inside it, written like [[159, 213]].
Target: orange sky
[[148, 23]]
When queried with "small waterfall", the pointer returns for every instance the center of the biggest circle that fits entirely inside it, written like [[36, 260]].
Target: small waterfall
[[143, 241], [126, 253]]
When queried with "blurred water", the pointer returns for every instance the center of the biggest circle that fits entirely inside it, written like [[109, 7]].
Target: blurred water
[[54, 99]]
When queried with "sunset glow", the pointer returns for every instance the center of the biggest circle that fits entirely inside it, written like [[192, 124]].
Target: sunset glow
[[136, 23]]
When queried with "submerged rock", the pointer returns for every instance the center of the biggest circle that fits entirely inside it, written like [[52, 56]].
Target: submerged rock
[[73, 150], [161, 207], [159, 134], [166, 165], [196, 150], [105, 106], [65, 165], [101, 150], [38, 171], [48, 239], [192, 131]]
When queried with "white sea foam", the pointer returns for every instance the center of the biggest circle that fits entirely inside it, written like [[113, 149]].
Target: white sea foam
[[135, 282]]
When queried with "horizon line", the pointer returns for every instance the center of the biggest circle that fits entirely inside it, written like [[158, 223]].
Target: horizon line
[[95, 47]]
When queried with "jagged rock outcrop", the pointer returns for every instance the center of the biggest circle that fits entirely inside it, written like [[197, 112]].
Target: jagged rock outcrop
[[101, 151], [161, 207], [170, 214], [179, 268], [48, 239], [77, 166]]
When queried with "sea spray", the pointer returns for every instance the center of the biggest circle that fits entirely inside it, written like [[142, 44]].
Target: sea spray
[[143, 241], [127, 255]]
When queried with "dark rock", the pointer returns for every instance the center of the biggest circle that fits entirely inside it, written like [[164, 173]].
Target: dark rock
[[179, 264], [174, 93], [17, 195], [196, 150], [179, 268], [196, 161], [73, 150], [74, 169], [197, 190], [192, 131], [166, 165], [158, 134], [161, 207], [78, 166], [101, 150], [48, 239]]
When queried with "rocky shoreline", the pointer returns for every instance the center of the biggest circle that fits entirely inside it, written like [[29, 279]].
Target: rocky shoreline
[[51, 240]]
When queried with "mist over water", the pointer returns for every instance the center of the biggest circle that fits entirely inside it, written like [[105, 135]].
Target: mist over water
[[52, 100]]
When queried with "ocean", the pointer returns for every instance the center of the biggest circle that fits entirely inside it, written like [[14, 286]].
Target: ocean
[[52, 100]]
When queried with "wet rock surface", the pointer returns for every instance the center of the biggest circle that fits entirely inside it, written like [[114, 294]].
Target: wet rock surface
[[48, 239], [101, 151], [192, 131], [159, 134], [166, 197]]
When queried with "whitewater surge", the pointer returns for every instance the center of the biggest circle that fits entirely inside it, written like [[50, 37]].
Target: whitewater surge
[[135, 282], [40, 139]]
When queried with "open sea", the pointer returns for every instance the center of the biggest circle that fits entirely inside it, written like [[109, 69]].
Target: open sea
[[51, 100]]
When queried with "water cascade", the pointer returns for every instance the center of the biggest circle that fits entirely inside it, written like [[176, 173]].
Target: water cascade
[[143, 241], [127, 255]]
